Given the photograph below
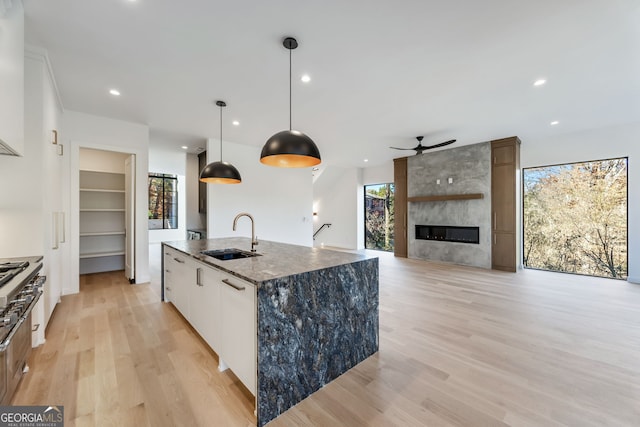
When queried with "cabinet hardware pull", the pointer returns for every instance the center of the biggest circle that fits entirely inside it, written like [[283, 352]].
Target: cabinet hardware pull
[[54, 231], [236, 287], [35, 327], [64, 229], [198, 272], [495, 241], [168, 271], [495, 220], [167, 288], [179, 260]]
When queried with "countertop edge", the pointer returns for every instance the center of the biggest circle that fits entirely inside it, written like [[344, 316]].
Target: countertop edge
[[206, 260]]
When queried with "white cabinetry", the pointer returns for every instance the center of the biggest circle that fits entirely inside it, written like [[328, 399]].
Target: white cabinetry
[[205, 310], [220, 307], [102, 221], [238, 334]]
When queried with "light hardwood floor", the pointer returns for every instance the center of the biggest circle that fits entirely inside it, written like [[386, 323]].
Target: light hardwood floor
[[458, 347]]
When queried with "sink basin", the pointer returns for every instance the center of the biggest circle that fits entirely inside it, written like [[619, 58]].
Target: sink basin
[[227, 254]]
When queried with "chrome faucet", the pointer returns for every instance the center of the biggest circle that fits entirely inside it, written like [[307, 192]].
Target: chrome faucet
[[254, 239]]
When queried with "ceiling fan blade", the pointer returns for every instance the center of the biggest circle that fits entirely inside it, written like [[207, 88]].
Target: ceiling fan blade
[[442, 144], [396, 148]]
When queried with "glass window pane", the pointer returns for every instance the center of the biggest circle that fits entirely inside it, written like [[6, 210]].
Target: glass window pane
[[379, 225], [575, 218], [163, 201]]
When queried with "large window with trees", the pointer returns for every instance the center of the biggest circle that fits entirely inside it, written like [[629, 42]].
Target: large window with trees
[[378, 216], [575, 218], [163, 201]]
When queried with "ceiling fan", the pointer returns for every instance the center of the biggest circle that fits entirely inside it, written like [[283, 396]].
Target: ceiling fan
[[420, 148]]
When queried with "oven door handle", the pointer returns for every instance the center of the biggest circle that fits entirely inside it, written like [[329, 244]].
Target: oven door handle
[[5, 343]]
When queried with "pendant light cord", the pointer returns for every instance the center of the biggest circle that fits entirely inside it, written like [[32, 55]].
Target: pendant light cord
[[290, 88], [221, 133]]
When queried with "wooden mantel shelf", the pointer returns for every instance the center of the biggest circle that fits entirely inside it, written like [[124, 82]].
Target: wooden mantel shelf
[[445, 197]]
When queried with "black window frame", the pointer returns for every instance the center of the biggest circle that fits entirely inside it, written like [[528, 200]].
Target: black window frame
[[172, 223], [522, 223]]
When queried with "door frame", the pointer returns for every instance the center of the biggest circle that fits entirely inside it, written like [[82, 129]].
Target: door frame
[[141, 225]]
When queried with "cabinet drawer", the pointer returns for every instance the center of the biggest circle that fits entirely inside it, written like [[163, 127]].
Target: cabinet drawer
[[179, 273]]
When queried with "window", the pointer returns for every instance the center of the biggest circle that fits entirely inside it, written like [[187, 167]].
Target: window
[[575, 218], [163, 201], [378, 216]]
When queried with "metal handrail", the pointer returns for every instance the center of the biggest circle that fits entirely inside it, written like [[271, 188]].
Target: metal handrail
[[320, 229]]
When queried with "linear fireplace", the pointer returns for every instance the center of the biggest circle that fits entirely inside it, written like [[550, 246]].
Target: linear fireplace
[[448, 233]]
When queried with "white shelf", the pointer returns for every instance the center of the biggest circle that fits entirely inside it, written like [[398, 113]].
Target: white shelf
[[101, 254], [101, 190], [101, 210], [102, 221], [102, 233]]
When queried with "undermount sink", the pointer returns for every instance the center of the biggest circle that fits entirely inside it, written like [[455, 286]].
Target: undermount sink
[[227, 254]]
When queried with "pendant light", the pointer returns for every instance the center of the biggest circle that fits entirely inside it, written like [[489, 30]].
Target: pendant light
[[220, 172], [290, 148]]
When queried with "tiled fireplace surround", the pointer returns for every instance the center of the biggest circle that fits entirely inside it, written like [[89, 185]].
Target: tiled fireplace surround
[[469, 167]]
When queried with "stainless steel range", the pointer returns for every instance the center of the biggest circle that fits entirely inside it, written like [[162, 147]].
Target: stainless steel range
[[20, 289]]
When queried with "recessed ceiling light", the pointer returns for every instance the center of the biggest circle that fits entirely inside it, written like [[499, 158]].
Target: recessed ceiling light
[[235, 123], [305, 78], [114, 92], [539, 82], [366, 160], [553, 123], [184, 147]]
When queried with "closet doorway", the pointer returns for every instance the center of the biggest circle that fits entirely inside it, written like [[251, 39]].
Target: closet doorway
[[106, 212]]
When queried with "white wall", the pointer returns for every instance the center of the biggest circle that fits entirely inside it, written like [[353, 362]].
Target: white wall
[[605, 143], [12, 86], [380, 174], [167, 161], [102, 161], [21, 205], [195, 220], [84, 130], [338, 197], [279, 199], [338, 201]]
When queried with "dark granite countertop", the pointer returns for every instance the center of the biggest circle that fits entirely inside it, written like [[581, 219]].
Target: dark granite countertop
[[276, 260]]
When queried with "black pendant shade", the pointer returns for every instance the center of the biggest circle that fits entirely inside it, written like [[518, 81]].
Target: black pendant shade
[[290, 148], [220, 172]]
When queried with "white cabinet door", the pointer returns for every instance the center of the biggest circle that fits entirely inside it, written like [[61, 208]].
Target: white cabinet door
[[205, 305], [238, 343]]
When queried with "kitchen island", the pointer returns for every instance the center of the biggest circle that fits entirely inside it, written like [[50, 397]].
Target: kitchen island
[[287, 322]]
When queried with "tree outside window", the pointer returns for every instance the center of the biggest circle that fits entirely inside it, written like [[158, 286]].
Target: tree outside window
[[163, 201], [378, 216], [575, 218]]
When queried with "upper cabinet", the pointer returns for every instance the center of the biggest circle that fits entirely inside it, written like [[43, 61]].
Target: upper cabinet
[[202, 187], [11, 77]]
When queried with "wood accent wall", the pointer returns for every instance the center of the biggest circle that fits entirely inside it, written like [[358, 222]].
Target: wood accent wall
[[505, 163], [400, 207]]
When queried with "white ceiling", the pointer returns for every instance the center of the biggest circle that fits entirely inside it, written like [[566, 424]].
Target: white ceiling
[[382, 72]]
